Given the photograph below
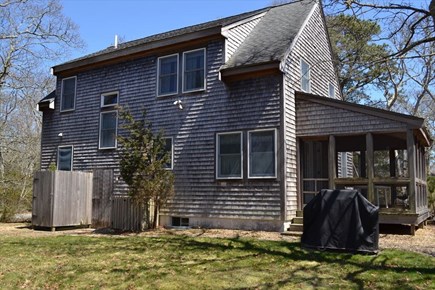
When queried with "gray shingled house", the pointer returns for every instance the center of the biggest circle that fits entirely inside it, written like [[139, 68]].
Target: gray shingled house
[[251, 111]]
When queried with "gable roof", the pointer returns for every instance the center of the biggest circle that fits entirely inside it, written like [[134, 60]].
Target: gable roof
[[268, 41], [272, 36]]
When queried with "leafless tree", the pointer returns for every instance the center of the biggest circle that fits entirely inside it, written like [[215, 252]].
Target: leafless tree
[[32, 33]]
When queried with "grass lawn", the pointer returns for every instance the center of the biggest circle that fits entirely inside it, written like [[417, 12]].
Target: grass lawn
[[179, 262]]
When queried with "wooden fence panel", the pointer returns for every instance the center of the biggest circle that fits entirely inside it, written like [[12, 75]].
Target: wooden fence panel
[[62, 198], [42, 203], [126, 216], [101, 198]]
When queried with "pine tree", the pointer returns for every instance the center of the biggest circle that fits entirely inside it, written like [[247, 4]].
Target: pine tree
[[142, 165]]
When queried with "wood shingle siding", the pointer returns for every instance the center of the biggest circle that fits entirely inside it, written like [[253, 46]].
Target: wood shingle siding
[[243, 105], [321, 120], [312, 45]]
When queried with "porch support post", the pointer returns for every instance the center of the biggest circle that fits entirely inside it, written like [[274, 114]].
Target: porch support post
[[332, 167], [370, 168], [393, 174], [410, 143]]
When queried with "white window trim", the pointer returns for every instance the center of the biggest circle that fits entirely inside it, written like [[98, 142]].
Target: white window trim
[[116, 130], [308, 75], [330, 85], [108, 94], [205, 71], [217, 155], [75, 94], [275, 149], [72, 155], [158, 74], [172, 152]]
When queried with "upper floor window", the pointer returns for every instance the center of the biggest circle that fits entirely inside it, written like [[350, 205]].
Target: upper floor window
[[168, 149], [109, 99], [262, 154], [194, 70], [167, 75], [64, 158], [108, 129], [229, 155], [305, 76], [331, 91], [68, 94]]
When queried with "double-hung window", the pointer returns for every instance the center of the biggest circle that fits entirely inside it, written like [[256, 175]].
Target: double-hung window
[[108, 129], [305, 76], [64, 158], [68, 94], [262, 154], [167, 75], [194, 70], [229, 155]]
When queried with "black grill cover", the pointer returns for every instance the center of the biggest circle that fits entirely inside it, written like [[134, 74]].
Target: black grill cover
[[341, 219]]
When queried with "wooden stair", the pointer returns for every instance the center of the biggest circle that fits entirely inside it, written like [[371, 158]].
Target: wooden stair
[[297, 225]]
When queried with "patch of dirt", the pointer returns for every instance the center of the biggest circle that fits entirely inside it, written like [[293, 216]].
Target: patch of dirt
[[396, 237]]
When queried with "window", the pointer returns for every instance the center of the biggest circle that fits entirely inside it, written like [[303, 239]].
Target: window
[[229, 155], [305, 76], [68, 95], [169, 148], [194, 70], [64, 158], [108, 129], [262, 154], [167, 75], [109, 99], [180, 222], [331, 91]]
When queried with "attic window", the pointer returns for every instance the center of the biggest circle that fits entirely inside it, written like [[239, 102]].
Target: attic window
[[305, 76], [194, 70], [167, 75], [68, 95], [331, 91]]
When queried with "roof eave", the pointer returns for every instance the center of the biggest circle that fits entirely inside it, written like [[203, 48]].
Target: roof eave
[[246, 69], [138, 49]]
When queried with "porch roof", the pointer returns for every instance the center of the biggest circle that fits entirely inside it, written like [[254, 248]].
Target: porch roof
[[318, 115]]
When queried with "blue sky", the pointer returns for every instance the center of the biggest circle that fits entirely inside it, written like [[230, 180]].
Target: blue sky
[[100, 20]]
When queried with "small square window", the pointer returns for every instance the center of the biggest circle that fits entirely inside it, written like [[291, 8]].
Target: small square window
[[167, 75], [229, 155], [194, 70], [64, 158], [180, 222], [68, 94], [262, 154], [109, 99], [108, 129], [305, 76]]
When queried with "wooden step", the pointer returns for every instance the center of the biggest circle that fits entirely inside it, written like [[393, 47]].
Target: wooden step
[[292, 233], [296, 227], [299, 213], [298, 220]]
